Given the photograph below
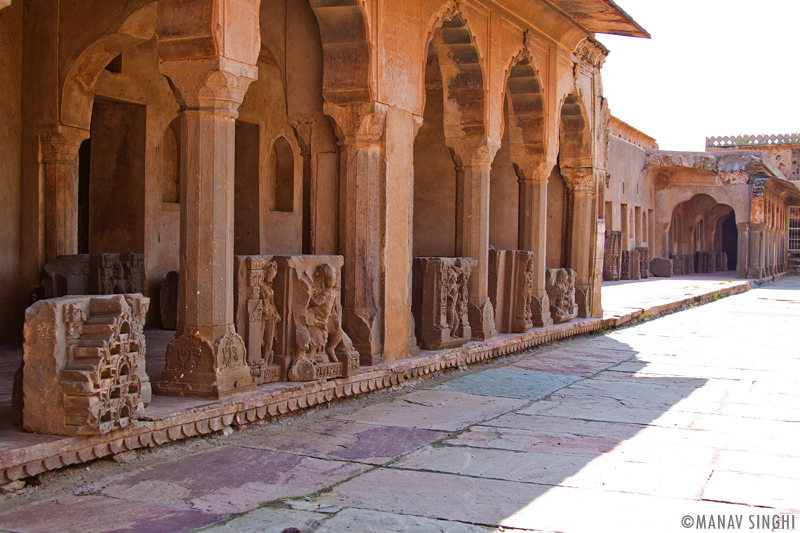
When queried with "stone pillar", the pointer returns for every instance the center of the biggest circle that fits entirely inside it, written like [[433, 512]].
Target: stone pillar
[[473, 159], [581, 184], [743, 249], [665, 244], [206, 358], [360, 129], [58, 160], [755, 267], [533, 232]]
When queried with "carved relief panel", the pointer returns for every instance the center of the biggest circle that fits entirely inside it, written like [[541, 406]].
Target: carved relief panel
[[644, 261], [84, 364], [560, 285], [439, 302], [630, 265], [97, 274], [288, 310], [511, 289], [611, 256]]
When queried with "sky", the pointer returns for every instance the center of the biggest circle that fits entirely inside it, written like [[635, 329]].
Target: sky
[[712, 68]]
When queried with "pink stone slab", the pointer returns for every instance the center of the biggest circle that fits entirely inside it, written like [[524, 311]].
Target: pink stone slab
[[97, 514], [231, 479], [353, 441]]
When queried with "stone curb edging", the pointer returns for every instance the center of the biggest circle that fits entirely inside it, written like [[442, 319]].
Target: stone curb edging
[[254, 408]]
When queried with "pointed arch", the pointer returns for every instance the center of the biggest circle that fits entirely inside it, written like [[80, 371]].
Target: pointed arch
[[575, 133], [526, 116]]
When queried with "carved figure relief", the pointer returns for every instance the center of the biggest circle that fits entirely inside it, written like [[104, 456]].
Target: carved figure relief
[[560, 285], [630, 265], [85, 361], [611, 257], [96, 274], [440, 301]]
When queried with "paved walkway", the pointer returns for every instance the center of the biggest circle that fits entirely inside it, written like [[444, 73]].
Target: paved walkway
[[689, 418]]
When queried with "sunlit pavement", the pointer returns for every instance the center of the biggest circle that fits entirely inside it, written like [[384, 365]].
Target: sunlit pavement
[[687, 422]]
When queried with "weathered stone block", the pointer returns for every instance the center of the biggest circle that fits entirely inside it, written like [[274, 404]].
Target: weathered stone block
[[662, 268], [560, 284], [688, 264], [644, 261], [511, 281], [168, 301], [630, 265], [288, 310], [722, 262], [440, 301], [84, 364], [611, 257], [97, 274]]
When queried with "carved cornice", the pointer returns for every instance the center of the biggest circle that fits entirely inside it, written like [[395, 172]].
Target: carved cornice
[[61, 145], [592, 52], [216, 85], [358, 123]]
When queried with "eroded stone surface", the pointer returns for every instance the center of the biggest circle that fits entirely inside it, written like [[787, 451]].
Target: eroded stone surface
[[505, 383]]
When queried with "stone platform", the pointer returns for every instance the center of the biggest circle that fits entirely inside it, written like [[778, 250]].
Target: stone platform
[[170, 419]]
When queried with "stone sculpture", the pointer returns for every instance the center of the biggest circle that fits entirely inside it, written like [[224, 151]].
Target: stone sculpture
[[440, 301], [289, 312], [560, 283], [644, 262], [95, 274], [611, 256], [630, 265], [84, 364], [511, 289], [168, 301]]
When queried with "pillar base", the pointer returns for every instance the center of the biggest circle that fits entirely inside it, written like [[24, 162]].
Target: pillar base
[[199, 369], [481, 319], [363, 328], [540, 311]]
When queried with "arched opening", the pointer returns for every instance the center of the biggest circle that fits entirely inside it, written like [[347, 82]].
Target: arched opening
[[704, 232], [282, 176], [170, 164], [556, 220], [504, 195], [730, 240]]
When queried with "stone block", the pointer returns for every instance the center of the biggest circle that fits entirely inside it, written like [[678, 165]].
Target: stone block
[[288, 311], [630, 265], [688, 264], [511, 284], [662, 268], [93, 274], [560, 285], [84, 364], [611, 257], [722, 262], [440, 301], [644, 261], [168, 301]]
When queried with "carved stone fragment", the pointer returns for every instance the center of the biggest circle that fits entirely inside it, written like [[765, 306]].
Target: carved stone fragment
[[704, 263], [611, 256], [644, 261], [97, 274], [511, 289], [722, 262], [662, 268], [84, 364], [440, 301], [288, 310], [688, 264], [560, 283], [630, 265], [168, 301]]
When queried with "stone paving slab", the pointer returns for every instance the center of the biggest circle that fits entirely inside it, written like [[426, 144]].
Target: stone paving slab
[[342, 440], [533, 441], [562, 365], [633, 415], [231, 479], [365, 521], [754, 489], [440, 410], [270, 520], [97, 514], [505, 383], [551, 424]]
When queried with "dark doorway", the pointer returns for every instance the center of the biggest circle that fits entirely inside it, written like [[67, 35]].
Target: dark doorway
[[84, 169], [730, 240]]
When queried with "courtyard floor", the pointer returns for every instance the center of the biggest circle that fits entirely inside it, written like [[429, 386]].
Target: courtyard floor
[[687, 422]]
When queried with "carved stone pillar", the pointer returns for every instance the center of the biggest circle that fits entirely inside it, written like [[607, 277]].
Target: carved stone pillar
[[581, 183], [206, 358], [756, 265], [533, 176], [473, 159], [58, 159], [360, 129]]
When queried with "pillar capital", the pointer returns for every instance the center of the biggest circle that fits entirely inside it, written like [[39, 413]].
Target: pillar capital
[[216, 86], [473, 151], [358, 123], [61, 144], [580, 179], [533, 169]]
